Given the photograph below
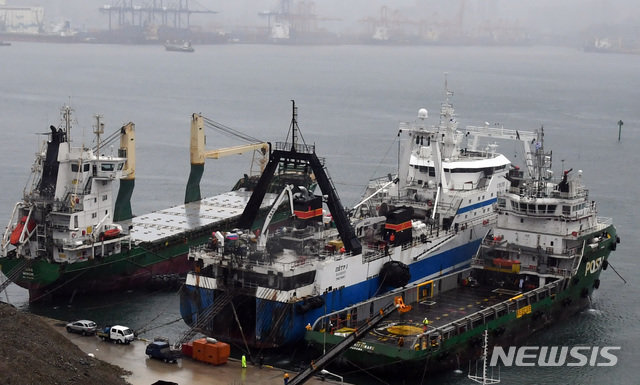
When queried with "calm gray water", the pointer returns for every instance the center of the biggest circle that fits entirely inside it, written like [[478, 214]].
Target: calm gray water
[[350, 101]]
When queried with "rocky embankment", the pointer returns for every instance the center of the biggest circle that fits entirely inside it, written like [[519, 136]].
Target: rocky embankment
[[32, 352]]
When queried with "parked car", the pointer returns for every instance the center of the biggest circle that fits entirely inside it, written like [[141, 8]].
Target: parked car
[[84, 327]]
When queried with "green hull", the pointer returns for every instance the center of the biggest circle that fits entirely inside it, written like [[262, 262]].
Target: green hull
[[130, 268], [508, 327]]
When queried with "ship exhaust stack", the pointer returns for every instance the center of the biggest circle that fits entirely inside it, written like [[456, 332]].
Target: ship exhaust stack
[[47, 185], [122, 210]]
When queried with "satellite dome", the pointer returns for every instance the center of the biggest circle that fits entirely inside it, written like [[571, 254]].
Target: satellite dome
[[423, 113]]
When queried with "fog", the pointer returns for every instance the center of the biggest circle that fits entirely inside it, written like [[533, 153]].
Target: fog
[[555, 20]]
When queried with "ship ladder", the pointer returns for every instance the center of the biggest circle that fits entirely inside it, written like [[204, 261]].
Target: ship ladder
[[343, 345], [206, 316], [41, 237], [14, 273]]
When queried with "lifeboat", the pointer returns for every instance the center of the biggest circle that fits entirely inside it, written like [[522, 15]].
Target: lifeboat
[[111, 233], [505, 262], [15, 234]]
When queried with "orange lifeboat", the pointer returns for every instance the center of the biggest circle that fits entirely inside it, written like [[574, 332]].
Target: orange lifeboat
[[15, 234], [505, 262], [111, 233]]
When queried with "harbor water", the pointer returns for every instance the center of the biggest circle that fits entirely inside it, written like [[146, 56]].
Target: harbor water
[[350, 100]]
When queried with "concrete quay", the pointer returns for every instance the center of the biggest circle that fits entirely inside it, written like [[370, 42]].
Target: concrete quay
[[146, 371]]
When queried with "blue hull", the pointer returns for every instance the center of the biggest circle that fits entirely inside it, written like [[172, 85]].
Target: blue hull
[[268, 323]]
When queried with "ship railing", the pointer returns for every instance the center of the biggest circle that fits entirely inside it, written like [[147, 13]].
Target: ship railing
[[205, 253], [9, 229], [435, 338], [500, 132], [548, 270], [476, 261], [360, 312], [442, 206], [605, 221], [579, 193], [427, 292], [502, 244], [297, 147]]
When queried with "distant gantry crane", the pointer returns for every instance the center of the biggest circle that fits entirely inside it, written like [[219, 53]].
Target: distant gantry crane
[[295, 17], [176, 13]]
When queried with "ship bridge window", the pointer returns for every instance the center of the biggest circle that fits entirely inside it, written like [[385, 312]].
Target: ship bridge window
[[120, 165], [514, 205], [86, 167], [107, 167], [532, 209], [523, 207], [542, 209], [74, 167], [502, 202], [551, 209], [566, 210], [465, 170]]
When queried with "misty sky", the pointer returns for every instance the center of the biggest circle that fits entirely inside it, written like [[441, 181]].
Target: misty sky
[[546, 16]]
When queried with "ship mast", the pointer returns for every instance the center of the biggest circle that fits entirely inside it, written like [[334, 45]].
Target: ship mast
[[98, 130], [294, 130], [66, 116], [483, 380]]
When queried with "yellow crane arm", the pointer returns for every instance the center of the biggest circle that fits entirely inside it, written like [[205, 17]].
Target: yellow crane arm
[[199, 153], [236, 150]]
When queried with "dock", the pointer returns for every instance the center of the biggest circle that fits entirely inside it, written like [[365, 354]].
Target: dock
[[146, 371]]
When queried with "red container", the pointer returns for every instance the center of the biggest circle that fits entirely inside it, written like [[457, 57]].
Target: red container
[[187, 349], [212, 353]]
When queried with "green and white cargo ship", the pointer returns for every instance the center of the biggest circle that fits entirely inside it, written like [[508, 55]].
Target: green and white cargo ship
[[67, 235]]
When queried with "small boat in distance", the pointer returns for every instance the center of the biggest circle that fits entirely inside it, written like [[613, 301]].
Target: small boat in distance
[[179, 47]]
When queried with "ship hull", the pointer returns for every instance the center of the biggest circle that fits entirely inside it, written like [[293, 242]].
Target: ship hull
[[274, 324], [510, 329], [129, 269]]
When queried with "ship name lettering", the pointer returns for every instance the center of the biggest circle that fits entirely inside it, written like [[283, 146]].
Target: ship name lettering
[[593, 266]]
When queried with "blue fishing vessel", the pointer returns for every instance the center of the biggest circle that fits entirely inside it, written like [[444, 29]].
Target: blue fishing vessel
[[264, 288]]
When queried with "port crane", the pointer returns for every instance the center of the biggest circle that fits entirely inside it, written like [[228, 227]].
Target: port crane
[[170, 13]]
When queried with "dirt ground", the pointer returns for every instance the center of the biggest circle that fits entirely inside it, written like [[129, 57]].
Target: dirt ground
[[32, 352]]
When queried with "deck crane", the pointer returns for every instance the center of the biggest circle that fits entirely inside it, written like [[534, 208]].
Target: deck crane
[[288, 190], [199, 153]]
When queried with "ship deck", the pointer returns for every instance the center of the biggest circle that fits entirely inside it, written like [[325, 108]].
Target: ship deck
[[188, 217], [443, 309]]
